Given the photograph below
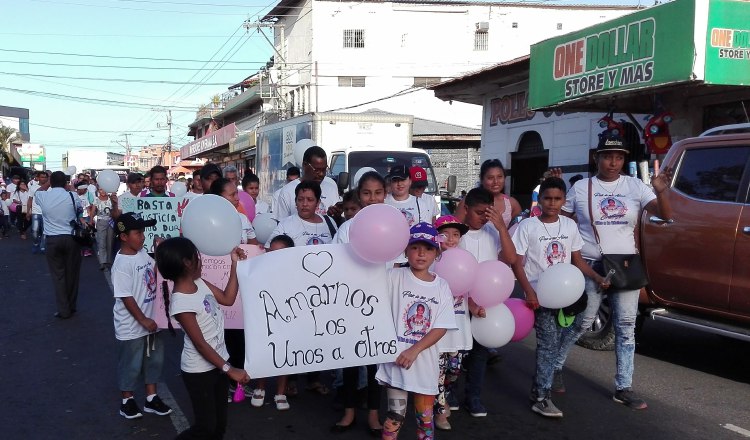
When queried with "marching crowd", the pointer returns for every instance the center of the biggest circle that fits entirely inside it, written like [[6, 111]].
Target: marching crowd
[[574, 225]]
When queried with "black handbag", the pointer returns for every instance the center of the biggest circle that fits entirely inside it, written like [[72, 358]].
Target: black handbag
[[629, 273], [82, 234]]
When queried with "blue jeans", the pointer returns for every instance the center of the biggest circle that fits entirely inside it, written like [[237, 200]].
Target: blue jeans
[[476, 367], [624, 306], [548, 335], [37, 232]]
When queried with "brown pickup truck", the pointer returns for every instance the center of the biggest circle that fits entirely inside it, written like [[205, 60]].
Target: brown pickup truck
[[698, 264]]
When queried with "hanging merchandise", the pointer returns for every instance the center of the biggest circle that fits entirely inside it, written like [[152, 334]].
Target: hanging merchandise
[[608, 123], [656, 133]]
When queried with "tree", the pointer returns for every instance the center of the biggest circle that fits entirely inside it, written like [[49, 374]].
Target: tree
[[8, 135]]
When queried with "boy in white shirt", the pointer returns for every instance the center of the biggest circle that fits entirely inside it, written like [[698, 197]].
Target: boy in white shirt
[[140, 348], [414, 209], [544, 241], [419, 184]]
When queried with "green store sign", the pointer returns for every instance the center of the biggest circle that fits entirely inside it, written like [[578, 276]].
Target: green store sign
[[728, 43]]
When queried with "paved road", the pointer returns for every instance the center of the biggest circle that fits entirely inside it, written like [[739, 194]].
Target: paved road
[[58, 380]]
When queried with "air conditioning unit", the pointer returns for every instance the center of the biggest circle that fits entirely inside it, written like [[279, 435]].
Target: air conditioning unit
[[483, 26]]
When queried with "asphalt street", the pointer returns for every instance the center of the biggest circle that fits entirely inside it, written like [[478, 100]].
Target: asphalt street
[[58, 380]]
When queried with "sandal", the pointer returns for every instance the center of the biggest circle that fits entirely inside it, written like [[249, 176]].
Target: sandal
[[291, 389], [259, 396], [318, 388], [281, 402]]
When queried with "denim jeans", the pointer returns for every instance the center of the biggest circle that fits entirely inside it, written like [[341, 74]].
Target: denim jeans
[[37, 232], [624, 306], [476, 367], [548, 335]]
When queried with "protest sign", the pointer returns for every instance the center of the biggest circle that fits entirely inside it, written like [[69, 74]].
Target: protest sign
[[215, 270], [314, 308], [167, 211]]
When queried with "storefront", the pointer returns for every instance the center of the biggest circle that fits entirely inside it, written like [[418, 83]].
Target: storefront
[[242, 152], [213, 146]]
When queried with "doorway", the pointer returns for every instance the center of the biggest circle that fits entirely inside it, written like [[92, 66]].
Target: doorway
[[527, 166]]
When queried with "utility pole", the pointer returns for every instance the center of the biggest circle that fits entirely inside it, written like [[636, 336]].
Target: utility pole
[[277, 93], [126, 146], [168, 146]]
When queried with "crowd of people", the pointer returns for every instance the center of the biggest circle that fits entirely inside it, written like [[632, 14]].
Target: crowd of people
[[572, 225]]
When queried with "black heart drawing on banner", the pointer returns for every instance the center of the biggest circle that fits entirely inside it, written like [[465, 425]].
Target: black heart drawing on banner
[[317, 263]]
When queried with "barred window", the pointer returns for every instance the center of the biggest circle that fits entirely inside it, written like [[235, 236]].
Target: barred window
[[354, 38], [351, 81], [426, 81], [481, 40]]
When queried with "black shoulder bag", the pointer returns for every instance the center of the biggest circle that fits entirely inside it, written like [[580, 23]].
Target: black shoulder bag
[[629, 273], [82, 234]]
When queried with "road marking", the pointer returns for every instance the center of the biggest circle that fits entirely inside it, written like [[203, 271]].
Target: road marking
[[179, 420], [737, 429]]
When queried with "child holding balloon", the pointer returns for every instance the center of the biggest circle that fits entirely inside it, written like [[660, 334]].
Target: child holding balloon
[[546, 240], [422, 307]]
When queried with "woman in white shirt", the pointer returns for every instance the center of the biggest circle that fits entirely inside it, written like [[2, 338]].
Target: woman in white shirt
[[225, 188], [101, 211], [306, 227], [21, 196]]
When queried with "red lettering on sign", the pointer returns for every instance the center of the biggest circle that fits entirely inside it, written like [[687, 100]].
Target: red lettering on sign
[[721, 37], [568, 59], [510, 108]]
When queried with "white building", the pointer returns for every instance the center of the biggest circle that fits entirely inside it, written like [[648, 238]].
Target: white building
[[354, 55]]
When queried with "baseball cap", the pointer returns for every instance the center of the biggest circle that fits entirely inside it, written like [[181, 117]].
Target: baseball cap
[[134, 177], [610, 142], [450, 221], [208, 169], [425, 233], [418, 176], [131, 221], [567, 315], [399, 172]]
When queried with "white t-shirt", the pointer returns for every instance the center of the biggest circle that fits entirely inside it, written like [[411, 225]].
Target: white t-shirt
[[11, 187], [6, 206], [616, 207], [460, 338], [23, 197], [483, 244], [84, 203], [304, 233], [429, 201], [103, 209], [248, 232], [262, 207], [546, 244], [286, 202], [210, 319], [342, 235], [415, 210], [134, 276], [35, 208], [418, 307]]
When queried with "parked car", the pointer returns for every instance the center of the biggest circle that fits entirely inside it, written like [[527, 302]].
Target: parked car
[[698, 265]]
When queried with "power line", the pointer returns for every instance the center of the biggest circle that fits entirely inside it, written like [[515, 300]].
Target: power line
[[92, 100], [118, 67], [91, 5], [119, 57], [34, 124], [147, 81]]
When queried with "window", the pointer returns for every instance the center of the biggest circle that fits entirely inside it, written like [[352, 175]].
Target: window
[[481, 40], [354, 38], [351, 81], [559, 26], [338, 165], [426, 81], [514, 25], [712, 173]]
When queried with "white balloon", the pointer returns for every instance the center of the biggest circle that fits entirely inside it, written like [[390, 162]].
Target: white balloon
[[496, 329], [179, 189], [358, 175], [212, 224], [91, 188], [264, 225], [71, 170], [560, 286], [108, 180], [299, 149]]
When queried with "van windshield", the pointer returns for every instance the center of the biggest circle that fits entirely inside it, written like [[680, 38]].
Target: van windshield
[[382, 161]]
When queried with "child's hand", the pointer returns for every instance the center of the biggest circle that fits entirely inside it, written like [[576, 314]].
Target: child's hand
[[478, 311], [149, 324], [603, 283], [238, 375], [407, 358], [532, 301], [238, 254]]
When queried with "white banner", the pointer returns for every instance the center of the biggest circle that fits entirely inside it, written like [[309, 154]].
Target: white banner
[[314, 308]]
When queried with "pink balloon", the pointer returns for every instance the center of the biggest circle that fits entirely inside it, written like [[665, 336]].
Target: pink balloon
[[524, 317], [458, 267], [379, 233], [493, 283], [248, 204]]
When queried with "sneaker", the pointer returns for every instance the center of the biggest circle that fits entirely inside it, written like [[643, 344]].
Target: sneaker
[[533, 394], [546, 408], [258, 397], [247, 390], [156, 406], [557, 382], [628, 398], [130, 409], [452, 401], [475, 407], [281, 402]]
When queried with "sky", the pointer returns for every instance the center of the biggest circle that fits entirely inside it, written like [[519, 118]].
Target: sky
[[90, 71]]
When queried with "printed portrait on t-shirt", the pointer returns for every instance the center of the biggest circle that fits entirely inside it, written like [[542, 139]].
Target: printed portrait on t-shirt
[[149, 279], [408, 216], [612, 208], [418, 317], [314, 240], [555, 253]]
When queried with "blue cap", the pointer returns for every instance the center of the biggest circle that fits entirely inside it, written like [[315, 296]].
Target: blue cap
[[424, 232]]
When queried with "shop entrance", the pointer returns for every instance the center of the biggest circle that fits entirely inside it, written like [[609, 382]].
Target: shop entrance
[[527, 166]]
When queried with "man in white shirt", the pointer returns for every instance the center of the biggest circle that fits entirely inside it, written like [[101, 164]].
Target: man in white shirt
[[135, 186], [61, 209], [35, 213], [314, 168], [292, 174]]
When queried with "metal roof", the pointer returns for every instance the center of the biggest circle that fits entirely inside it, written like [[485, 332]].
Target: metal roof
[[470, 87], [427, 127]]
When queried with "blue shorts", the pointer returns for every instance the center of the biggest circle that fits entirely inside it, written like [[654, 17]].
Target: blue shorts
[[139, 361]]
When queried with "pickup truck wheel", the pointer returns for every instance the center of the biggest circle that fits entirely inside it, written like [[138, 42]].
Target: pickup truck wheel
[[601, 335]]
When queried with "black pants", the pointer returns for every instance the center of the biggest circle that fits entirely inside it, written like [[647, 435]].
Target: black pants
[[351, 383], [208, 394], [22, 224], [64, 260], [235, 341]]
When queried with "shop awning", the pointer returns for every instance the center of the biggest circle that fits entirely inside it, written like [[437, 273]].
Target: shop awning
[[210, 142], [696, 48]]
